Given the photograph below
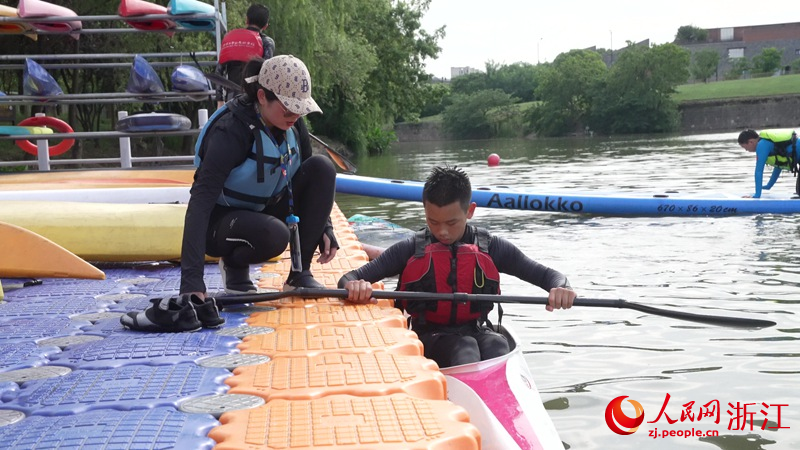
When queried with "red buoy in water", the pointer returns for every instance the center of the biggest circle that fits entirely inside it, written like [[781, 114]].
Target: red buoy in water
[[494, 160]]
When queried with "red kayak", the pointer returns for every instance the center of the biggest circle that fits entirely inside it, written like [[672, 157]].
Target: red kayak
[[134, 8]]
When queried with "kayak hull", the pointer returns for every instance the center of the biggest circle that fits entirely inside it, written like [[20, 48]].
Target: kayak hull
[[502, 401]]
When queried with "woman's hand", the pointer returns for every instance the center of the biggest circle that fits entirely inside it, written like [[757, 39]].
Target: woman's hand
[[326, 251]]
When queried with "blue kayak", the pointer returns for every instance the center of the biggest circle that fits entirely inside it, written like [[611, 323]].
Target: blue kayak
[[611, 204], [178, 8]]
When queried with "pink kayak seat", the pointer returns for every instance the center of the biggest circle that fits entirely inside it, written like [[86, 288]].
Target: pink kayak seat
[[133, 8], [39, 8]]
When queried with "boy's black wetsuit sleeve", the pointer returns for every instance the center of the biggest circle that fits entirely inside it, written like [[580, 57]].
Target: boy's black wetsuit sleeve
[[507, 257], [510, 260]]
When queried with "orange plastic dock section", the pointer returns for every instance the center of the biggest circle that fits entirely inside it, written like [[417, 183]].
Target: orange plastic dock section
[[392, 422], [318, 315], [341, 376], [366, 374]]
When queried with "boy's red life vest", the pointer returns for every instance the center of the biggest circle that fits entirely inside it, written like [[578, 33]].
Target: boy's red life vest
[[464, 268], [241, 44]]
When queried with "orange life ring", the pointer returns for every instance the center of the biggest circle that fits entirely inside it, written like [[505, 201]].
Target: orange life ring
[[50, 122]]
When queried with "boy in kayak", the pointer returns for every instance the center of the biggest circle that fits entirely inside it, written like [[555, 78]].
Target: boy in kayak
[[776, 148], [451, 256]]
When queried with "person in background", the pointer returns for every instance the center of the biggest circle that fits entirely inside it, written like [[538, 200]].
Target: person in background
[[255, 172], [450, 255], [241, 45], [776, 148]]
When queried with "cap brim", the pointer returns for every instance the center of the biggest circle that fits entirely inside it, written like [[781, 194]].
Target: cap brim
[[299, 106]]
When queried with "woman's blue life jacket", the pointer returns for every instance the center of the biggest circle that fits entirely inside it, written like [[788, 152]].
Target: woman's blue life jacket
[[259, 181]]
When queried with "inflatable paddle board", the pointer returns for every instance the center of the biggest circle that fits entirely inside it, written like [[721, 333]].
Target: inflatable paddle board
[[13, 130], [612, 204], [103, 231], [24, 254], [97, 178], [99, 186], [154, 122]]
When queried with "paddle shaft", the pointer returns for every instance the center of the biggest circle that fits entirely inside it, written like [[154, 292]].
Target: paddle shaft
[[340, 160], [591, 302]]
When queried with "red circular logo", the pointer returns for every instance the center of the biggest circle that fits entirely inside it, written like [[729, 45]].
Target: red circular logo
[[614, 416]]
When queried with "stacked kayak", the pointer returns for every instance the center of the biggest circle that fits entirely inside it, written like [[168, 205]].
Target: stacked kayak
[[178, 8], [39, 8], [135, 8], [14, 27]]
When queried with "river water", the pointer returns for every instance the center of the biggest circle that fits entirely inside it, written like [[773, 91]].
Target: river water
[[584, 358]]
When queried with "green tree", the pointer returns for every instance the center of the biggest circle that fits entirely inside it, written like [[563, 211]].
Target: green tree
[[469, 83], [704, 65], [566, 90], [637, 94], [768, 61], [475, 116], [518, 80], [690, 34], [365, 57], [739, 66], [437, 97]]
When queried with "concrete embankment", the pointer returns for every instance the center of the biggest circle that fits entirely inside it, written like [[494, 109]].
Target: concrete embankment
[[780, 111]]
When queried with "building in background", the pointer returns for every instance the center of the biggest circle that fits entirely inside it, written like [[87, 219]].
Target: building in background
[[458, 71], [748, 41]]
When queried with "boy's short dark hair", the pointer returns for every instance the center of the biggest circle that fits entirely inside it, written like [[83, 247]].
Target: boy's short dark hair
[[258, 15], [446, 185], [746, 135]]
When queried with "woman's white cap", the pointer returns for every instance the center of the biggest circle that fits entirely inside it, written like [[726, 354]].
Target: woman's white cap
[[288, 78]]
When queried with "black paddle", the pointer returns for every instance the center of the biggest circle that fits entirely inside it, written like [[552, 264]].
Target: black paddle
[[595, 302], [338, 158]]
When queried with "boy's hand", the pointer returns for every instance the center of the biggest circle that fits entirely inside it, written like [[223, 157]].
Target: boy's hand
[[560, 298], [359, 291]]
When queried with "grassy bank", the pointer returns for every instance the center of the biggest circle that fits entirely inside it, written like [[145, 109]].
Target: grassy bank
[[754, 87]]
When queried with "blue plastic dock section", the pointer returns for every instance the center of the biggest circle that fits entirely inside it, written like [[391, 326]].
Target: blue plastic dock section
[[124, 387], [23, 355], [109, 429], [145, 348]]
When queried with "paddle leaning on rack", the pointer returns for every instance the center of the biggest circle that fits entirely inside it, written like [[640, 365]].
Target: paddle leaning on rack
[[739, 322], [338, 158]]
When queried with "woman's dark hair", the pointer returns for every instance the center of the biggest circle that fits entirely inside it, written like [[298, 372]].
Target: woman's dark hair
[[746, 135], [251, 69]]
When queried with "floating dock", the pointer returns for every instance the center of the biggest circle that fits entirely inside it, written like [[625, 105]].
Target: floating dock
[[286, 374]]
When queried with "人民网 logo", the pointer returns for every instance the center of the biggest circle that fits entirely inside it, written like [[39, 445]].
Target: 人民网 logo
[[615, 416]]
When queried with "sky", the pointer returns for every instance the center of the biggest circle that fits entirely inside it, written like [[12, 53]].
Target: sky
[[509, 31]]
